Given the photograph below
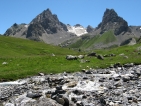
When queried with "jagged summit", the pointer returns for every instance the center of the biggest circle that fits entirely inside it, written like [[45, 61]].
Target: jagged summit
[[17, 30], [110, 15], [44, 27], [77, 25], [46, 22], [47, 27], [45, 14], [111, 20], [90, 29]]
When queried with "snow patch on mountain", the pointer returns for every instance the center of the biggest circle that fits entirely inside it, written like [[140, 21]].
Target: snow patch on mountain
[[26, 26], [77, 29]]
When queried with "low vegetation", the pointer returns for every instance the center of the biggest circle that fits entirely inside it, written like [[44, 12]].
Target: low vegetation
[[87, 42], [20, 58]]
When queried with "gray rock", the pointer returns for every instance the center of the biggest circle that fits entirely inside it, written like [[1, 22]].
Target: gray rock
[[130, 41], [79, 103], [60, 99], [90, 29], [41, 74], [92, 54], [88, 72], [66, 101], [80, 56], [125, 78], [43, 102], [119, 87], [71, 57], [138, 72], [129, 65], [34, 95], [100, 57]]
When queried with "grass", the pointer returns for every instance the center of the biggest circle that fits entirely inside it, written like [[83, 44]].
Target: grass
[[27, 58], [130, 51], [106, 38], [87, 42]]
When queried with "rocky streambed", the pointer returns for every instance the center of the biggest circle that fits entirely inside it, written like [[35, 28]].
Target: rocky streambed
[[92, 87]]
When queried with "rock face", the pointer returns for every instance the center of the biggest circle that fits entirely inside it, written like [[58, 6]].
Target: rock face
[[90, 29], [111, 20], [136, 30], [45, 22], [131, 41], [113, 28], [44, 27], [17, 30]]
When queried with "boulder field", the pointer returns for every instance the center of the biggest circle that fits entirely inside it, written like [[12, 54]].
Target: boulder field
[[119, 86]]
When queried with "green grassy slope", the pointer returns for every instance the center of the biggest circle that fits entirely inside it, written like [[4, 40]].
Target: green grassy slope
[[132, 52], [87, 42], [15, 47], [27, 58]]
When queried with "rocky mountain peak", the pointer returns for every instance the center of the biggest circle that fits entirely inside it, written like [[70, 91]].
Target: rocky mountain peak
[[46, 13], [44, 27], [111, 21], [77, 25], [46, 22], [48, 10], [46, 16], [90, 29], [110, 16]]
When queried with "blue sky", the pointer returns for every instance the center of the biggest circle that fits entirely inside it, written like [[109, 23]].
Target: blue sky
[[84, 12]]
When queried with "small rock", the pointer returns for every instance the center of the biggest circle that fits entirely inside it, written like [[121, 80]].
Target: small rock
[[41, 74], [100, 57], [80, 56], [102, 101], [129, 65], [4, 63], [33, 95], [72, 84], [53, 54], [60, 99], [79, 103], [92, 54]]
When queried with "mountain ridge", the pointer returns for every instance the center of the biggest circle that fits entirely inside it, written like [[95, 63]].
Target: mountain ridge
[[46, 27], [121, 33]]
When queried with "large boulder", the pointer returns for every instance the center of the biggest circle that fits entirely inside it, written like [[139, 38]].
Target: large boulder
[[100, 57], [34, 94], [80, 56], [43, 102], [92, 54], [62, 100], [71, 57]]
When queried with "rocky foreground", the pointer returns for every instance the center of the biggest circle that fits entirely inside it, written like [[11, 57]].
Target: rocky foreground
[[102, 87]]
